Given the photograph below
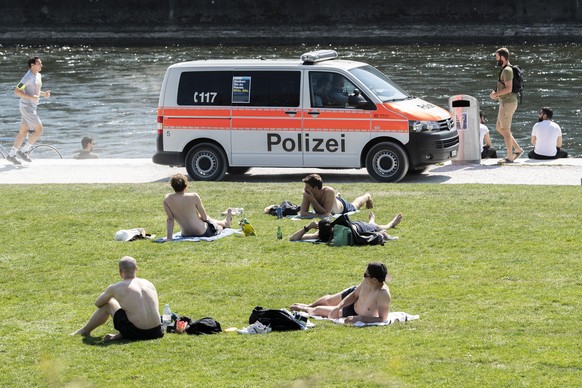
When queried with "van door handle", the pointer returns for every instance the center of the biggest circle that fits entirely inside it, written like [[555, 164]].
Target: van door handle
[[291, 113], [313, 113]]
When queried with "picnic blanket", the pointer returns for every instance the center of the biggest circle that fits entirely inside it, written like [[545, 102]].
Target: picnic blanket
[[393, 317], [178, 236]]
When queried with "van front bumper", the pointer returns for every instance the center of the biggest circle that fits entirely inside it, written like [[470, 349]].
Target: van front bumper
[[167, 158], [426, 148]]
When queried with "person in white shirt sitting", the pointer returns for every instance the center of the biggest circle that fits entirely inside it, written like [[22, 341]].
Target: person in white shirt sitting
[[546, 137]]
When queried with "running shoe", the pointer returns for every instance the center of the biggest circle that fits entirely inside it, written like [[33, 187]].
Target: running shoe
[[256, 328], [24, 156], [13, 160]]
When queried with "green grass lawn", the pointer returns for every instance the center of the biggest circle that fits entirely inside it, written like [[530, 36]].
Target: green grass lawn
[[493, 271]]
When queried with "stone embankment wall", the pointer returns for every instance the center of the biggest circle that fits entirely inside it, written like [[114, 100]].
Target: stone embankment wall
[[192, 21]]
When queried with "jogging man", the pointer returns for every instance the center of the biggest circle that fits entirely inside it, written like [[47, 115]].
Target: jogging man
[[29, 91]]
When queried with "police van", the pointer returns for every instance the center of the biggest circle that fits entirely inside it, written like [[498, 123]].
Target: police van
[[227, 116]]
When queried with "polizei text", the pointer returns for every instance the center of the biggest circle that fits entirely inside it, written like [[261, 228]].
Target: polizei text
[[303, 143]]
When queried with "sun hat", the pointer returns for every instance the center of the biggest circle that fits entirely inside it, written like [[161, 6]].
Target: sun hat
[[130, 234]]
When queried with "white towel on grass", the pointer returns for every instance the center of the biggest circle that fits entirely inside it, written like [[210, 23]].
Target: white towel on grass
[[178, 236], [393, 317]]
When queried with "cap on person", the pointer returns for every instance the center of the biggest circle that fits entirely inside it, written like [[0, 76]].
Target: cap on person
[[378, 271]]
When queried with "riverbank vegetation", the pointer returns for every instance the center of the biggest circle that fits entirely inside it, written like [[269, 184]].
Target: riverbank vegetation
[[493, 271]]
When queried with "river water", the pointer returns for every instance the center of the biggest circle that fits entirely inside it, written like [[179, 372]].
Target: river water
[[111, 93]]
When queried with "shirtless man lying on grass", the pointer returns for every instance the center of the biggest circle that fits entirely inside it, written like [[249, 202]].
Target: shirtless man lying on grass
[[325, 201], [133, 304], [368, 302], [188, 211], [324, 230]]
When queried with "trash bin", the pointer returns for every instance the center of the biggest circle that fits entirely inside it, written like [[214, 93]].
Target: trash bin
[[465, 113]]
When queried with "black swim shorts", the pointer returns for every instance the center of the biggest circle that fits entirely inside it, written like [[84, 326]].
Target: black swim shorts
[[348, 310], [132, 333]]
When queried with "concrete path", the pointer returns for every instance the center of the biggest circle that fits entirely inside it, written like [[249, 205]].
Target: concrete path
[[523, 172]]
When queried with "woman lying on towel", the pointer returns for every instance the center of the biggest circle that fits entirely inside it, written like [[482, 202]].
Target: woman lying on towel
[[368, 302]]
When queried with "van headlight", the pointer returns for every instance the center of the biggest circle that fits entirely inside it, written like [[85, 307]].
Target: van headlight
[[424, 126]]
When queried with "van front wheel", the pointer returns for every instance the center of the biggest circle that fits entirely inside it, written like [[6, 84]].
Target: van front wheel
[[387, 162], [206, 162]]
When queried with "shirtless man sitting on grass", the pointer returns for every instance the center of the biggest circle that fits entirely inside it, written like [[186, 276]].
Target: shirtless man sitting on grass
[[133, 304], [368, 302], [188, 211], [325, 201]]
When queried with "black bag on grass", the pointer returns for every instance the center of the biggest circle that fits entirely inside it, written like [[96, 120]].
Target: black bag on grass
[[279, 320]]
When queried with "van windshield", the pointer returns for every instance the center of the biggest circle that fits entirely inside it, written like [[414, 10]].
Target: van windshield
[[379, 83]]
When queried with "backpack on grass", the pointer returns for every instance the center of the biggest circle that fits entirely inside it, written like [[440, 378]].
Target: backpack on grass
[[279, 320], [352, 237]]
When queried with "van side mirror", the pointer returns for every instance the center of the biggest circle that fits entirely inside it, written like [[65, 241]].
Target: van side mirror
[[357, 100]]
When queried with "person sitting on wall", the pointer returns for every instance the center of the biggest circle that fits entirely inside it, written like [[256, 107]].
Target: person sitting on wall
[[546, 137], [485, 140]]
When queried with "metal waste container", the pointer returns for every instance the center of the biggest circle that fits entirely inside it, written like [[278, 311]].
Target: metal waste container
[[465, 113]]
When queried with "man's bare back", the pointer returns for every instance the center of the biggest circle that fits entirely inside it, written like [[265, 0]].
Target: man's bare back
[[186, 209], [139, 299]]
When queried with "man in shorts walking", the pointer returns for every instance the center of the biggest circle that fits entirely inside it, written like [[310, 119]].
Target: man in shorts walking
[[29, 91], [133, 304], [507, 104]]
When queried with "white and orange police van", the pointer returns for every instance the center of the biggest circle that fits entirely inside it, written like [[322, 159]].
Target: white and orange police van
[[219, 116]]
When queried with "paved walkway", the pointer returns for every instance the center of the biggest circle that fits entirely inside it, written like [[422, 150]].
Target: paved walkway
[[523, 172]]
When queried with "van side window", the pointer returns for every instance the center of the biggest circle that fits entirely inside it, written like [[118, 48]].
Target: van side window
[[330, 90], [205, 88], [268, 88]]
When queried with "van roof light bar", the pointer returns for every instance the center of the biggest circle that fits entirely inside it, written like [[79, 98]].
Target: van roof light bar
[[317, 56]]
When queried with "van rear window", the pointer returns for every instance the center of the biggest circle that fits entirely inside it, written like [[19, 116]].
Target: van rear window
[[252, 88], [205, 88]]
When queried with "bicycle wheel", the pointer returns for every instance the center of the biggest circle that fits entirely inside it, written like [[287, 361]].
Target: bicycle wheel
[[45, 151]]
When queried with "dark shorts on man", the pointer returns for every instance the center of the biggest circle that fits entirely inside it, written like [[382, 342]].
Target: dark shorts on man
[[348, 207], [364, 227], [211, 230], [560, 153], [132, 333], [350, 310]]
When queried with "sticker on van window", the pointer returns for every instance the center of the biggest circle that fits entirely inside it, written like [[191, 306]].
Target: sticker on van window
[[204, 97], [241, 90]]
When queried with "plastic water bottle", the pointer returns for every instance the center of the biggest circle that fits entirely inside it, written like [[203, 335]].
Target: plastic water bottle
[[279, 216], [166, 317]]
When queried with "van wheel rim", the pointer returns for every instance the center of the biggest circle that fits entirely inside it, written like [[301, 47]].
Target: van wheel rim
[[205, 163], [385, 163]]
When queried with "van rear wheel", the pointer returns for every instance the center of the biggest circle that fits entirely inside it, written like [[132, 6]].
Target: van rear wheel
[[206, 162], [387, 162]]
